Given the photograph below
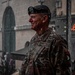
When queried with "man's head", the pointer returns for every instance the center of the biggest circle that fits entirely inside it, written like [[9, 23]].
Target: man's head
[[40, 16]]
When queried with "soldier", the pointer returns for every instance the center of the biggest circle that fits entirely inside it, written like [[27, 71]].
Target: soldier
[[47, 52]]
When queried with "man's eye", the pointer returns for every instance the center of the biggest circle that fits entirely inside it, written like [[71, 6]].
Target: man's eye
[[33, 17]]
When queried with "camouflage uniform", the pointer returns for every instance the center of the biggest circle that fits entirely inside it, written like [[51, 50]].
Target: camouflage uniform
[[48, 55]]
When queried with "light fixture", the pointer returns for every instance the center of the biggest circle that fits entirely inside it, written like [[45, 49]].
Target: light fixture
[[41, 1]]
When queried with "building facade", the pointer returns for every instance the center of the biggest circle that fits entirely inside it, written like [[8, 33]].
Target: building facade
[[61, 22]]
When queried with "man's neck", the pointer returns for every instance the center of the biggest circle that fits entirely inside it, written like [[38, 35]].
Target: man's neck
[[41, 30]]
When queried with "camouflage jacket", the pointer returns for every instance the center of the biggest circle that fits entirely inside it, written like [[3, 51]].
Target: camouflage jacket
[[47, 55]]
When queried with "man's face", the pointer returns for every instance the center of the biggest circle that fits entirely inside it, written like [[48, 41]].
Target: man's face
[[36, 21]]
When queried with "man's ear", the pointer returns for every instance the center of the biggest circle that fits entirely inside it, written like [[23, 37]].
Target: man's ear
[[45, 18]]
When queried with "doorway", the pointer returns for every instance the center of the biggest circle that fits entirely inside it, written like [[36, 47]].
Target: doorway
[[8, 32]]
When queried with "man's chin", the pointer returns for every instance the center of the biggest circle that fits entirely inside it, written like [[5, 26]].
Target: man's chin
[[33, 28]]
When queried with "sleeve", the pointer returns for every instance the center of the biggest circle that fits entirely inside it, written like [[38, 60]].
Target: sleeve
[[60, 58], [24, 65]]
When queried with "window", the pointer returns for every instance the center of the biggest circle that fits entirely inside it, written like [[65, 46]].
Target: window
[[58, 4]]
